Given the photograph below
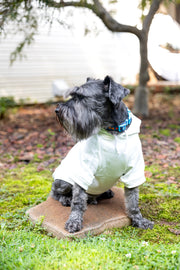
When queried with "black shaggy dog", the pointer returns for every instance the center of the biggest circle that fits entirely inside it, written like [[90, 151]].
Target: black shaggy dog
[[108, 149]]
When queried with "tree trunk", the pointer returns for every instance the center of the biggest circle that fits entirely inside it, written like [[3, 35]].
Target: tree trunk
[[141, 92], [178, 13]]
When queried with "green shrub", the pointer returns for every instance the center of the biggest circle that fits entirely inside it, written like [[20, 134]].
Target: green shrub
[[6, 103]]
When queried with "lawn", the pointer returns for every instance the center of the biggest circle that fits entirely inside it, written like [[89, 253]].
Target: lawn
[[32, 145]]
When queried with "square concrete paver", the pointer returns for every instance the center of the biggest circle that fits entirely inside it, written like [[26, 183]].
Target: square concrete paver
[[106, 214]]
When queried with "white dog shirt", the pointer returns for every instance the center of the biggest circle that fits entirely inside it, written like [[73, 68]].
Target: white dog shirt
[[98, 162]]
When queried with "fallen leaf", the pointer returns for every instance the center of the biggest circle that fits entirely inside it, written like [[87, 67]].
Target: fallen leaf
[[40, 168], [27, 156], [165, 165], [21, 249], [148, 174]]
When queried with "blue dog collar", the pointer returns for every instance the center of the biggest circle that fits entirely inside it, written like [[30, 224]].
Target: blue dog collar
[[122, 127]]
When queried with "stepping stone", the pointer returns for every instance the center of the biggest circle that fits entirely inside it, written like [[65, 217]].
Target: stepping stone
[[107, 214]]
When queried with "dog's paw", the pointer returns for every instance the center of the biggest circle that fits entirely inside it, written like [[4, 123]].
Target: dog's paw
[[73, 226], [142, 223], [65, 201], [55, 195]]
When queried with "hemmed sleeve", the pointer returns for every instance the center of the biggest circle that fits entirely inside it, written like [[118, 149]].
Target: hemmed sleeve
[[78, 166]]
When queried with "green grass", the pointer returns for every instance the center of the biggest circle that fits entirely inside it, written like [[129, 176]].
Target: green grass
[[25, 246], [119, 250]]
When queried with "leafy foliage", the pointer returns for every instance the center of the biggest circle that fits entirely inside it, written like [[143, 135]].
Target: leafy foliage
[[6, 103]]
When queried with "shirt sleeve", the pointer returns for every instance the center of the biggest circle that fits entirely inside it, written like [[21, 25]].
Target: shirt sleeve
[[80, 164]]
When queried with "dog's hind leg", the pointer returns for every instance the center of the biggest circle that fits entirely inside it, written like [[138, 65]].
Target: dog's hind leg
[[62, 192], [78, 206], [132, 208]]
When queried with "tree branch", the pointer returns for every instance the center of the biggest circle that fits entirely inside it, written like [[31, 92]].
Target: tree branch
[[99, 11], [111, 23], [61, 4], [148, 19]]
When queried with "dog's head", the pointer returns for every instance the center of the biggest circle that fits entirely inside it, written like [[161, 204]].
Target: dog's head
[[91, 107]]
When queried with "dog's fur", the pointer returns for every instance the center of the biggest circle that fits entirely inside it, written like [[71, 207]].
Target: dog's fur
[[95, 105]]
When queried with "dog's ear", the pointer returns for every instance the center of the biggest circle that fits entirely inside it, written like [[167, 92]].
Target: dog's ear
[[115, 91]]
